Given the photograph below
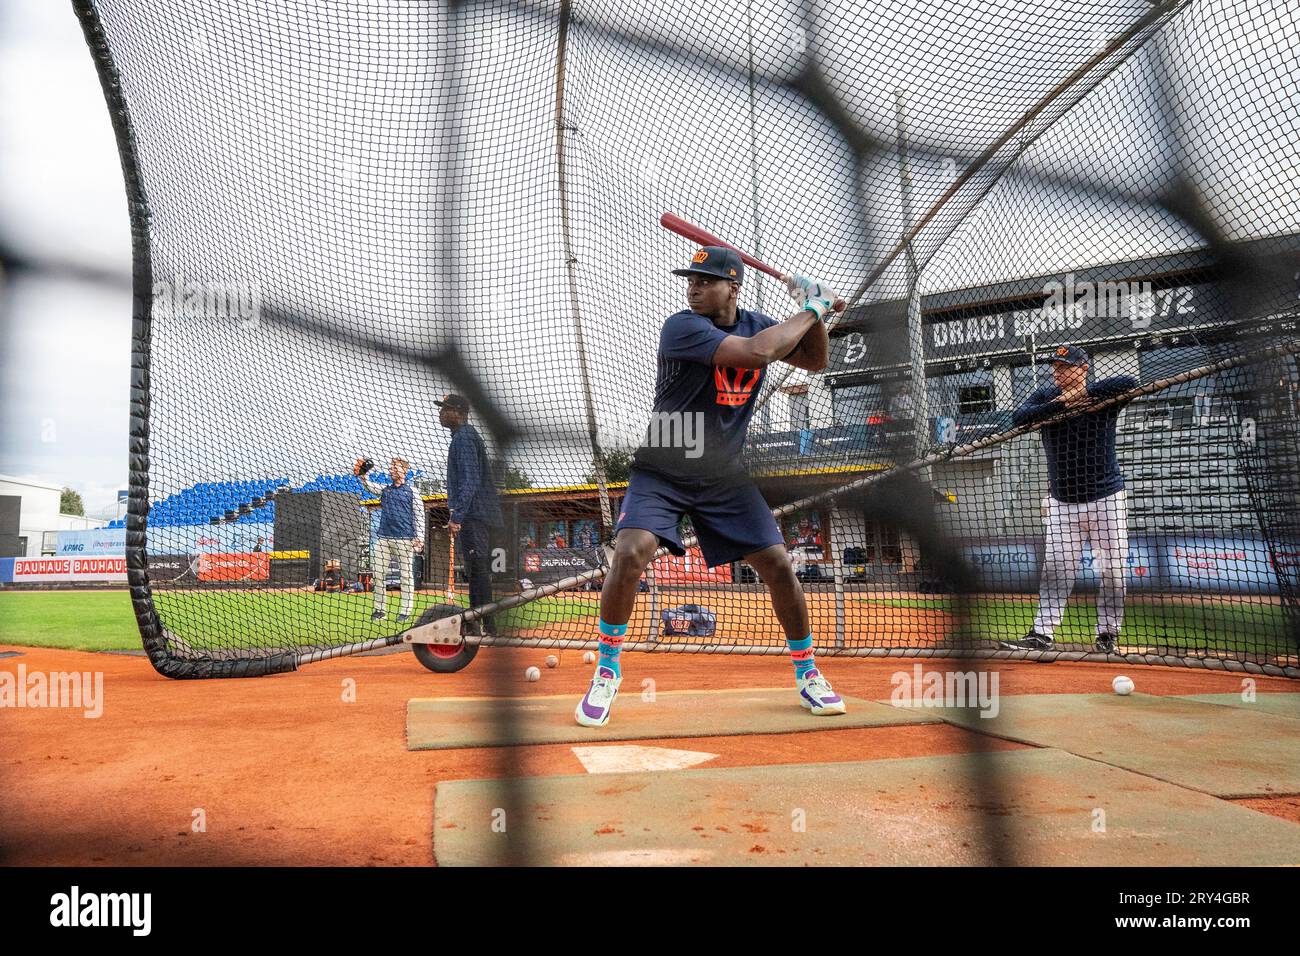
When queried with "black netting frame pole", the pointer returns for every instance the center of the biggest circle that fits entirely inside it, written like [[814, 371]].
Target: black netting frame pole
[[997, 829], [753, 143], [168, 655], [1148, 22], [915, 330], [571, 260], [513, 845], [1070, 85]]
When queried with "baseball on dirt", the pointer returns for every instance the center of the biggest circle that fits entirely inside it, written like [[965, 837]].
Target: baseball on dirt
[[1122, 685], [589, 657], [552, 660], [532, 674]]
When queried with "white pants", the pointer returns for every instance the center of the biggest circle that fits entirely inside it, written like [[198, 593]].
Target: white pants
[[1103, 524], [403, 550]]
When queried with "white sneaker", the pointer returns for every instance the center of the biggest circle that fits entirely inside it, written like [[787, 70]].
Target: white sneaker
[[593, 710], [816, 694]]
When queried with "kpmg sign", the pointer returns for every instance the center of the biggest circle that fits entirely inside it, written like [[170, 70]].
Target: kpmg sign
[[98, 541]]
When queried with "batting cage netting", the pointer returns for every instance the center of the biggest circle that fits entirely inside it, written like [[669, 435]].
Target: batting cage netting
[[1059, 417]]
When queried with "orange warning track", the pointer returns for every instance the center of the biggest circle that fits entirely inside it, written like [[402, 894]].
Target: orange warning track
[[285, 771]]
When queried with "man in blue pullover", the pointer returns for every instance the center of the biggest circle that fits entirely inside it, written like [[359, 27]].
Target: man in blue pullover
[[1086, 503], [401, 533], [471, 499]]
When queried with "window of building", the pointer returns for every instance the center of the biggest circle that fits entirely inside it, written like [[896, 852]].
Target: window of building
[[948, 393], [856, 404], [1158, 363], [1162, 362], [799, 410], [973, 399], [880, 549], [1026, 378]]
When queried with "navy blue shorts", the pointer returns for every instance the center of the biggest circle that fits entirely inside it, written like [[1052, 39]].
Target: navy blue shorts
[[729, 515]]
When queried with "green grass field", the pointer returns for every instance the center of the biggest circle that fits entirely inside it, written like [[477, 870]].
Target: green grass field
[[1186, 622], [104, 620]]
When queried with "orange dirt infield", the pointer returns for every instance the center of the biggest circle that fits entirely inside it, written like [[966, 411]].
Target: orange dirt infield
[[286, 772]]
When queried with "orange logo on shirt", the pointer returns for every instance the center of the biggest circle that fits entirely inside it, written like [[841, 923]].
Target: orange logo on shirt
[[735, 385]]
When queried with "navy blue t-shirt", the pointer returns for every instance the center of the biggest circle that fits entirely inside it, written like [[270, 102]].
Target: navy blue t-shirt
[[701, 411], [1081, 463]]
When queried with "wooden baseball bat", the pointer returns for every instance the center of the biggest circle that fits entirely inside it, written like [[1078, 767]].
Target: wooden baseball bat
[[693, 232], [451, 568]]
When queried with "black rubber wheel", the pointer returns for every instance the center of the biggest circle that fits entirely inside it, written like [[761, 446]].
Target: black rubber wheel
[[443, 658]]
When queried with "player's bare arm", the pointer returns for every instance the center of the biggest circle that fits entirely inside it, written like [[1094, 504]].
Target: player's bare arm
[[813, 351], [801, 340], [768, 346]]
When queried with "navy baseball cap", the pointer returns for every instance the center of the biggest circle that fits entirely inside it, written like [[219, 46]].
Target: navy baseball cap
[[1067, 355], [454, 401], [719, 262]]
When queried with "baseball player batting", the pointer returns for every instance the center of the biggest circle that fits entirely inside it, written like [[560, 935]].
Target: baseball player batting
[[1086, 501], [711, 362]]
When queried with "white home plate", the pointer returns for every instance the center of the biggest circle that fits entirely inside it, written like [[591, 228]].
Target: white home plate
[[632, 759]]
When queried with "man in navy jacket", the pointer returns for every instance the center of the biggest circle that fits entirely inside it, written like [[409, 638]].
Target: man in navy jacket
[[471, 498]]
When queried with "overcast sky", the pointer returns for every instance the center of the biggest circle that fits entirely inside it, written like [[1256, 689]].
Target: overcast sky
[[66, 346], [321, 191]]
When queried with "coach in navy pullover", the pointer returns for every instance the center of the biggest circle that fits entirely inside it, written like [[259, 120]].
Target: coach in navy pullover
[[471, 498], [401, 510], [400, 536], [1081, 462]]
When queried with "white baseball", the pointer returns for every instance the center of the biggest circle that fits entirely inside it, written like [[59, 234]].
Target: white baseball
[[552, 660], [532, 674], [1122, 685], [589, 657]]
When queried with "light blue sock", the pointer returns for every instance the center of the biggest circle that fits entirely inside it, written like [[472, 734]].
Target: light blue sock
[[801, 653], [611, 644]]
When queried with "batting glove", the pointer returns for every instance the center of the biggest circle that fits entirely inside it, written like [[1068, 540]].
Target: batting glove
[[798, 286], [819, 299]]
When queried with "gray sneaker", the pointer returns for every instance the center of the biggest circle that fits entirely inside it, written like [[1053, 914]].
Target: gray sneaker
[[1107, 643], [378, 616]]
